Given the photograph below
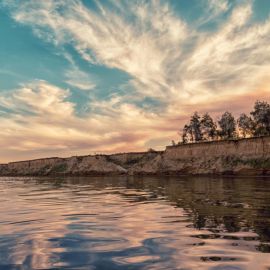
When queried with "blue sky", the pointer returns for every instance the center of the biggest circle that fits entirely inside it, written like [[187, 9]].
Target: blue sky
[[79, 77]]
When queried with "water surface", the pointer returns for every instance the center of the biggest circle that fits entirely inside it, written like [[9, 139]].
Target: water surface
[[134, 223]]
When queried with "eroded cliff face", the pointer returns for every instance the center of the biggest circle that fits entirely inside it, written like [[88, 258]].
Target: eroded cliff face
[[79, 165], [238, 157]]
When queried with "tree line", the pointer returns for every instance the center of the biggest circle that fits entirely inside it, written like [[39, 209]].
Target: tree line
[[204, 128]]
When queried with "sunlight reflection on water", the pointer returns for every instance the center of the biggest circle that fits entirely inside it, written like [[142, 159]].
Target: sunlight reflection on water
[[134, 223]]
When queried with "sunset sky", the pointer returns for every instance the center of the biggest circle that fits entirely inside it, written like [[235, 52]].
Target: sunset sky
[[83, 77]]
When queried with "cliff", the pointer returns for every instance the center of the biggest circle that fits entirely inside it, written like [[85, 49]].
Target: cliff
[[236, 157]]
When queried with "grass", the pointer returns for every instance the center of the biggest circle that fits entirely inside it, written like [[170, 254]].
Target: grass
[[256, 163], [59, 168]]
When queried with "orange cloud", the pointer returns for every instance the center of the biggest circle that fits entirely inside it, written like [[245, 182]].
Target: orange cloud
[[224, 69]]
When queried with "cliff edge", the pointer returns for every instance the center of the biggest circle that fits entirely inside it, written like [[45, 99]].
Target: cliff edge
[[249, 156]]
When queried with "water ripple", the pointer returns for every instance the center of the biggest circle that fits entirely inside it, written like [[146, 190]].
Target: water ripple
[[123, 223]]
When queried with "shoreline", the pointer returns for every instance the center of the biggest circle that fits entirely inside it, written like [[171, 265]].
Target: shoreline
[[250, 157]]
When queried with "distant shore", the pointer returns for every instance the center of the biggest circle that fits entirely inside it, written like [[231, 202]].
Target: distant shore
[[249, 156]]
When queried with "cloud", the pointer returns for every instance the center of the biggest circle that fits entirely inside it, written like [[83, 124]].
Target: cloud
[[79, 79], [166, 58], [42, 122], [218, 7], [38, 98], [214, 10], [234, 57], [143, 49], [174, 63]]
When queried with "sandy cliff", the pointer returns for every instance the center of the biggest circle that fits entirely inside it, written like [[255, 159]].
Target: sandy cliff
[[239, 157]]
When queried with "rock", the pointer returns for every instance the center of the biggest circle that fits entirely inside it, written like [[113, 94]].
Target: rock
[[235, 157]]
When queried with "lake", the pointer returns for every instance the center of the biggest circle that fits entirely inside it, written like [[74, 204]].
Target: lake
[[131, 223]]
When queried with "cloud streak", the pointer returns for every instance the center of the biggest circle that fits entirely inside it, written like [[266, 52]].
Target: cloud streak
[[152, 47], [41, 121], [169, 61], [79, 79]]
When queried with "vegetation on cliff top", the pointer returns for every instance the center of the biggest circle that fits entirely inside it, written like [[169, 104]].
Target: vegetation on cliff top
[[204, 128]]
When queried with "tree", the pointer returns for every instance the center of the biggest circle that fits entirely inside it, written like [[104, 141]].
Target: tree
[[195, 126], [192, 132], [187, 134], [246, 125], [208, 127], [261, 115], [204, 128], [227, 125]]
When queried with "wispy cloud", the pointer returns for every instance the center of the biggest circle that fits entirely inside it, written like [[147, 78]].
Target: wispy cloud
[[148, 41], [79, 79], [143, 48], [38, 98], [42, 121], [182, 67]]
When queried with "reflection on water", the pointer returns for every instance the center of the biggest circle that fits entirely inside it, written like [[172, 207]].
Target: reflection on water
[[134, 223]]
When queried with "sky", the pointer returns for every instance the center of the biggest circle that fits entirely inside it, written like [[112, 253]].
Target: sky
[[80, 77]]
